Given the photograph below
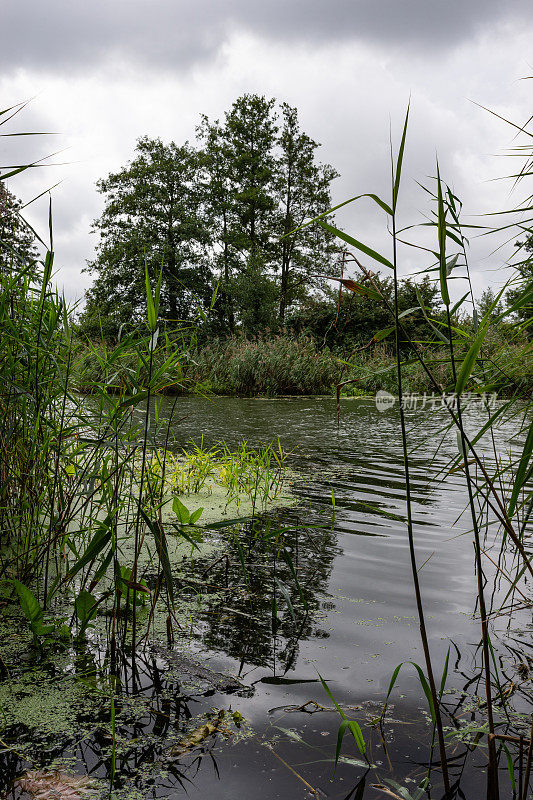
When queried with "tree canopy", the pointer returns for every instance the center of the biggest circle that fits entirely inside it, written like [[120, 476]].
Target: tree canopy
[[216, 213], [17, 240], [223, 217], [153, 214]]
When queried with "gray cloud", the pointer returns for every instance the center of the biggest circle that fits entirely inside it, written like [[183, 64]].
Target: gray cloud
[[167, 34], [107, 74]]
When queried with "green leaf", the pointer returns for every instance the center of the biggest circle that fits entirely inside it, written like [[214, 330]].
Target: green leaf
[[459, 304], [99, 541], [426, 690], [162, 551], [85, 606], [399, 161], [451, 264], [226, 523], [383, 334], [328, 692], [196, 515], [28, 603], [131, 401], [358, 245], [181, 511], [409, 311], [462, 446], [423, 683], [441, 229], [340, 736], [350, 724], [510, 767], [150, 307], [391, 686], [381, 203], [522, 471], [357, 734], [444, 675], [470, 360], [158, 291]]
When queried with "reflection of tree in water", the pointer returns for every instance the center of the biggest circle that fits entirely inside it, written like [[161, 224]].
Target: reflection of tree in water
[[263, 560], [153, 711]]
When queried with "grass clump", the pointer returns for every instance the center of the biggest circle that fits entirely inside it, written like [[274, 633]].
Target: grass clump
[[277, 366], [258, 475]]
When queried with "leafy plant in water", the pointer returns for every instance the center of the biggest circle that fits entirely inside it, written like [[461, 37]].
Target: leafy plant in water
[[43, 633], [346, 724], [86, 608]]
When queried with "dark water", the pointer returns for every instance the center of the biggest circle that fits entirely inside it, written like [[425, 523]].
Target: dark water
[[354, 572]]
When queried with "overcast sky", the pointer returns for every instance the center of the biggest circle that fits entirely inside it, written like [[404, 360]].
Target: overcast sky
[[101, 74]]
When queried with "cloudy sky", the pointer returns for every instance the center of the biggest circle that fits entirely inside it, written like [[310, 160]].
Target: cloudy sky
[[102, 74]]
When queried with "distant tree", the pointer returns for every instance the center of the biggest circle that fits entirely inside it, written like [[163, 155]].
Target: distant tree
[[240, 165], [486, 302], [263, 181], [221, 212], [524, 278], [249, 138], [17, 240], [153, 211]]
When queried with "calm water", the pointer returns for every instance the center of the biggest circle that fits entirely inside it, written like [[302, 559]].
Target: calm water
[[353, 567]]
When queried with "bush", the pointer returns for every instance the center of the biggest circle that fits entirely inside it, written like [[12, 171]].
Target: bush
[[278, 366]]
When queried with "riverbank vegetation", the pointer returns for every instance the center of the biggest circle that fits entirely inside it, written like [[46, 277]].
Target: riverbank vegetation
[[104, 564], [297, 365]]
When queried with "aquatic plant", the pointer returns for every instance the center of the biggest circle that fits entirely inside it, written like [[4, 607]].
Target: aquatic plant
[[260, 474]]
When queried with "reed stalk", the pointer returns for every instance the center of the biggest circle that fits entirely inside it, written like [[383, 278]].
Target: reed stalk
[[396, 174]]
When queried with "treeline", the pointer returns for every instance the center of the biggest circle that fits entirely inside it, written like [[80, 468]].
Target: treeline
[[212, 216]]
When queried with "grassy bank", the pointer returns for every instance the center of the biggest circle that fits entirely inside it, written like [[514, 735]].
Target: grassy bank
[[284, 365]]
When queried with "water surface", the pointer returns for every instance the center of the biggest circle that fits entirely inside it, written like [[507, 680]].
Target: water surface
[[348, 539]]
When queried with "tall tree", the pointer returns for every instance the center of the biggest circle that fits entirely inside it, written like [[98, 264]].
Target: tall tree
[[17, 240], [303, 192], [262, 182], [153, 211], [221, 210], [240, 165], [249, 137], [218, 195]]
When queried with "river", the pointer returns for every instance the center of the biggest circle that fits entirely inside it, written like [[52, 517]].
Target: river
[[348, 539]]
